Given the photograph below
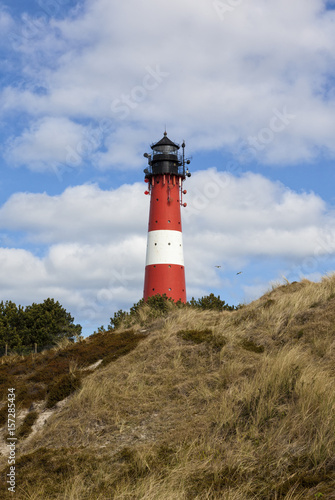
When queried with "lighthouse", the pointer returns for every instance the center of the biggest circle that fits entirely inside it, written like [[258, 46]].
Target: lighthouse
[[166, 172]]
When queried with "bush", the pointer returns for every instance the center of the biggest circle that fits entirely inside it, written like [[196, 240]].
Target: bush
[[211, 302], [157, 305], [250, 345], [160, 305], [27, 424], [196, 336], [42, 324], [66, 385], [119, 317], [200, 336]]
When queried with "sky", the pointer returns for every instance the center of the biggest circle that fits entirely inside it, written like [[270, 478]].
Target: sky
[[87, 86]]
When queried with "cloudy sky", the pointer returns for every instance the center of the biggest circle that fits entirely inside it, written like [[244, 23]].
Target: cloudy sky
[[86, 86]]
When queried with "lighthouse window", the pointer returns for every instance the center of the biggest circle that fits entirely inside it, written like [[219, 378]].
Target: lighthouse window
[[169, 243], [170, 289], [156, 199], [155, 244], [169, 266], [169, 221]]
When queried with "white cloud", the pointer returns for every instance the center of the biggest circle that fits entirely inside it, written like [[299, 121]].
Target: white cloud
[[80, 214], [49, 142], [238, 222], [223, 78], [19, 268], [119, 263], [249, 202], [91, 281], [123, 147]]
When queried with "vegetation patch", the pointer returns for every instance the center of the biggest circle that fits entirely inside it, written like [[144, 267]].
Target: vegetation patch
[[181, 419], [250, 345], [211, 302], [42, 324], [123, 347], [159, 306], [200, 336], [269, 303], [196, 336], [144, 311], [27, 393], [136, 467], [245, 314], [56, 467], [63, 387], [53, 367], [25, 429], [34, 376], [293, 287], [3, 415]]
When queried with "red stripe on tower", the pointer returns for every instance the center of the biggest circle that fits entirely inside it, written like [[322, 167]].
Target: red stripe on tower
[[164, 271]]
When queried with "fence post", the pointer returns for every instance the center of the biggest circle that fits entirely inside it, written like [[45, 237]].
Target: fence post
[[6, 349], [35, 348]]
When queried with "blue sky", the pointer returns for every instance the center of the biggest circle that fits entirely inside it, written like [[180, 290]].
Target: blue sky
[[86, 87]]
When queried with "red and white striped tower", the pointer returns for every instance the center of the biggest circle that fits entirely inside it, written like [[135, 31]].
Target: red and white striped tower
[[164, 271]]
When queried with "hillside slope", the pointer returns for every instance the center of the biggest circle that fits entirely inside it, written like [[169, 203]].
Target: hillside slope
[[204, 405]]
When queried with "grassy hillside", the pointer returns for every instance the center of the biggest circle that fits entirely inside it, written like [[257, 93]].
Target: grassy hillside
[[201, 405]]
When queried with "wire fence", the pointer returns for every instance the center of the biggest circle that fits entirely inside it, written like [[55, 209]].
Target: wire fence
[[25, 350]]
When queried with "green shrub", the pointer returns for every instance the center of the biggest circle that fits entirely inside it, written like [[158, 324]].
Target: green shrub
[[26, 393], [123, 343], [25, 429], [119, 317], [196, 336], [3, 415], [211, 302], [200, 336], [63, 387], [43, 324], [158, 305], [250, 345]]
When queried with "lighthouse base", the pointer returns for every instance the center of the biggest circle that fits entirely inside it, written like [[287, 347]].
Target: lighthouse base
[[165, 278]]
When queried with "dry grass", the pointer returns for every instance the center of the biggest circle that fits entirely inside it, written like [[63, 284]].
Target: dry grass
[[234, 405], [35, 376]]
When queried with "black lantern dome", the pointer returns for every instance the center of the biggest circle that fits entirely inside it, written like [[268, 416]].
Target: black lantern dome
[[165, 159]]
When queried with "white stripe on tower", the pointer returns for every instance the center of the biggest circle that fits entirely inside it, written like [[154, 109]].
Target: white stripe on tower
[[165, 247]]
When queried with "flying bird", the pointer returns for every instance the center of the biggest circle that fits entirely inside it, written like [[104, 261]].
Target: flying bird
[[240, 272], [217, 267]]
